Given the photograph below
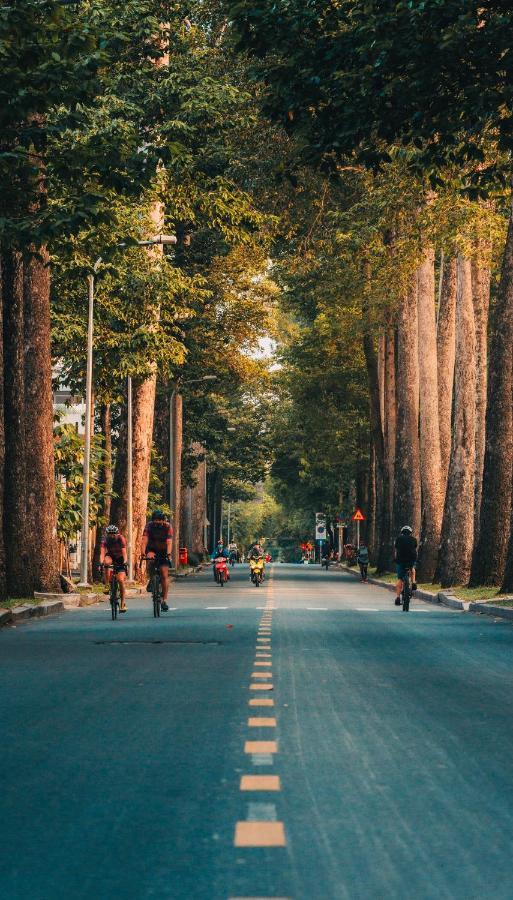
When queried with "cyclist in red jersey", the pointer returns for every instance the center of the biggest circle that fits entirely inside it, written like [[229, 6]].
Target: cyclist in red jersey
[[157, 544], [113, 553]]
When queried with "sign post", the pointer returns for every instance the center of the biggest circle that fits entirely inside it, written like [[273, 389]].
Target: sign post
[[358, 517], [320, 531]]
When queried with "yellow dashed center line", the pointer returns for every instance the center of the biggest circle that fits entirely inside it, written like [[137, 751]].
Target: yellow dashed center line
[[267, 833], [260, 783]]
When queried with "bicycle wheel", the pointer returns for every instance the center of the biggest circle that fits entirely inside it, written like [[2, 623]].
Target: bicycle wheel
[[406, 595], [114, 603], [156, 598]]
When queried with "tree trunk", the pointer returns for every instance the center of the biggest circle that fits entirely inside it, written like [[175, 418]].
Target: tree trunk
[[161, 437], [18, 552], [199, 510], [381, 373], [177, 412], [489, 557], [118, 506], [389, 421], [407, 451], [445, 340], [40, 466], [481, 295], [2, 444], [458, 524], [430, 463], [371, 516], [142, 421], [105, 479], [382, 488]]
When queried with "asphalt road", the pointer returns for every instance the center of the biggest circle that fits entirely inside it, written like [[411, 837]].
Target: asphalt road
[[166, 759]]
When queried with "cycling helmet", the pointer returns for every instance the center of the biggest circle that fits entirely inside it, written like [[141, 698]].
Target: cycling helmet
[[112, 529], [406, 529], [158, 515]]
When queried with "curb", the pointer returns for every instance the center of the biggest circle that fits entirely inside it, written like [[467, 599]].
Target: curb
[[487, 609], [446, 598], [22, 613]]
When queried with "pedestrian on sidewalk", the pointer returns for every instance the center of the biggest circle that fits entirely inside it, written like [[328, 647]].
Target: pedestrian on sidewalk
[[363, 561]]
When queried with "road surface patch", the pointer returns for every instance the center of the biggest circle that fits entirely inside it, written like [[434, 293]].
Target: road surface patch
[[262, 759], [261, 812], [262, 723], [260, 783], [260, 834]]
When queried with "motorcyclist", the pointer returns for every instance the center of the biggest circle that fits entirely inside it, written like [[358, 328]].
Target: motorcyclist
[[220, 550], [234, 551], [255, 553]]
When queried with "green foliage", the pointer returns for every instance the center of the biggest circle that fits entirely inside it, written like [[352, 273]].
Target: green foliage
[[69, 454], [353, 78]]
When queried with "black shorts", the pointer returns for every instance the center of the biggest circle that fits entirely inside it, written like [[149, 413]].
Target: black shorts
[[160, 558], [117, 565]]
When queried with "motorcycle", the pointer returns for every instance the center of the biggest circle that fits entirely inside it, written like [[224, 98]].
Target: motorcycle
[[221, 570], [257, 570], [233, 558]]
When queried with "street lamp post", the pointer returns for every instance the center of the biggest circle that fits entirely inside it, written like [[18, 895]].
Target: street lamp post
[[157, 240]]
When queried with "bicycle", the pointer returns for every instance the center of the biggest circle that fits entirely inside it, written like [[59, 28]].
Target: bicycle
[[114, 591], [156, 586], [406, 593]]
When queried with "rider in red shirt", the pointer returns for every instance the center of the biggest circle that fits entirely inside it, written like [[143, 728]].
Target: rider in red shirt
[[157, 544], [113, 553]]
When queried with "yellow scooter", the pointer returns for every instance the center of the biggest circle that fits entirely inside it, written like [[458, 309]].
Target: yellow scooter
[[257, 570]]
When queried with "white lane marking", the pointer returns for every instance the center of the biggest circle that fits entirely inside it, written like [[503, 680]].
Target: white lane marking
[[261, 812], [422, 610], [367, 609], [320, 608], [216, 607]]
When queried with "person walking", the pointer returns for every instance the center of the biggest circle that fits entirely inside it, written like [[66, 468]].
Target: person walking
[[363, 561]]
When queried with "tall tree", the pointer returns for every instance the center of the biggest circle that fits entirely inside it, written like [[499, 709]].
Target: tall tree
[[489, 558], [458, 524], [446, 349], [430, 461], [481, 295], [407, 494]]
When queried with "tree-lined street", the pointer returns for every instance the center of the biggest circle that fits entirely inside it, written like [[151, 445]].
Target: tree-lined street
[[124, 746]]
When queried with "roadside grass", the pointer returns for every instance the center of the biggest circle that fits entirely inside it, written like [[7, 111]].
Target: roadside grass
[[473, 594], [20, 601], [96, 588]]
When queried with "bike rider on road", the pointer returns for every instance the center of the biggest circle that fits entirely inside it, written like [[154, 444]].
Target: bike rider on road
[[113, 553], [406, 559], [157, 545]]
